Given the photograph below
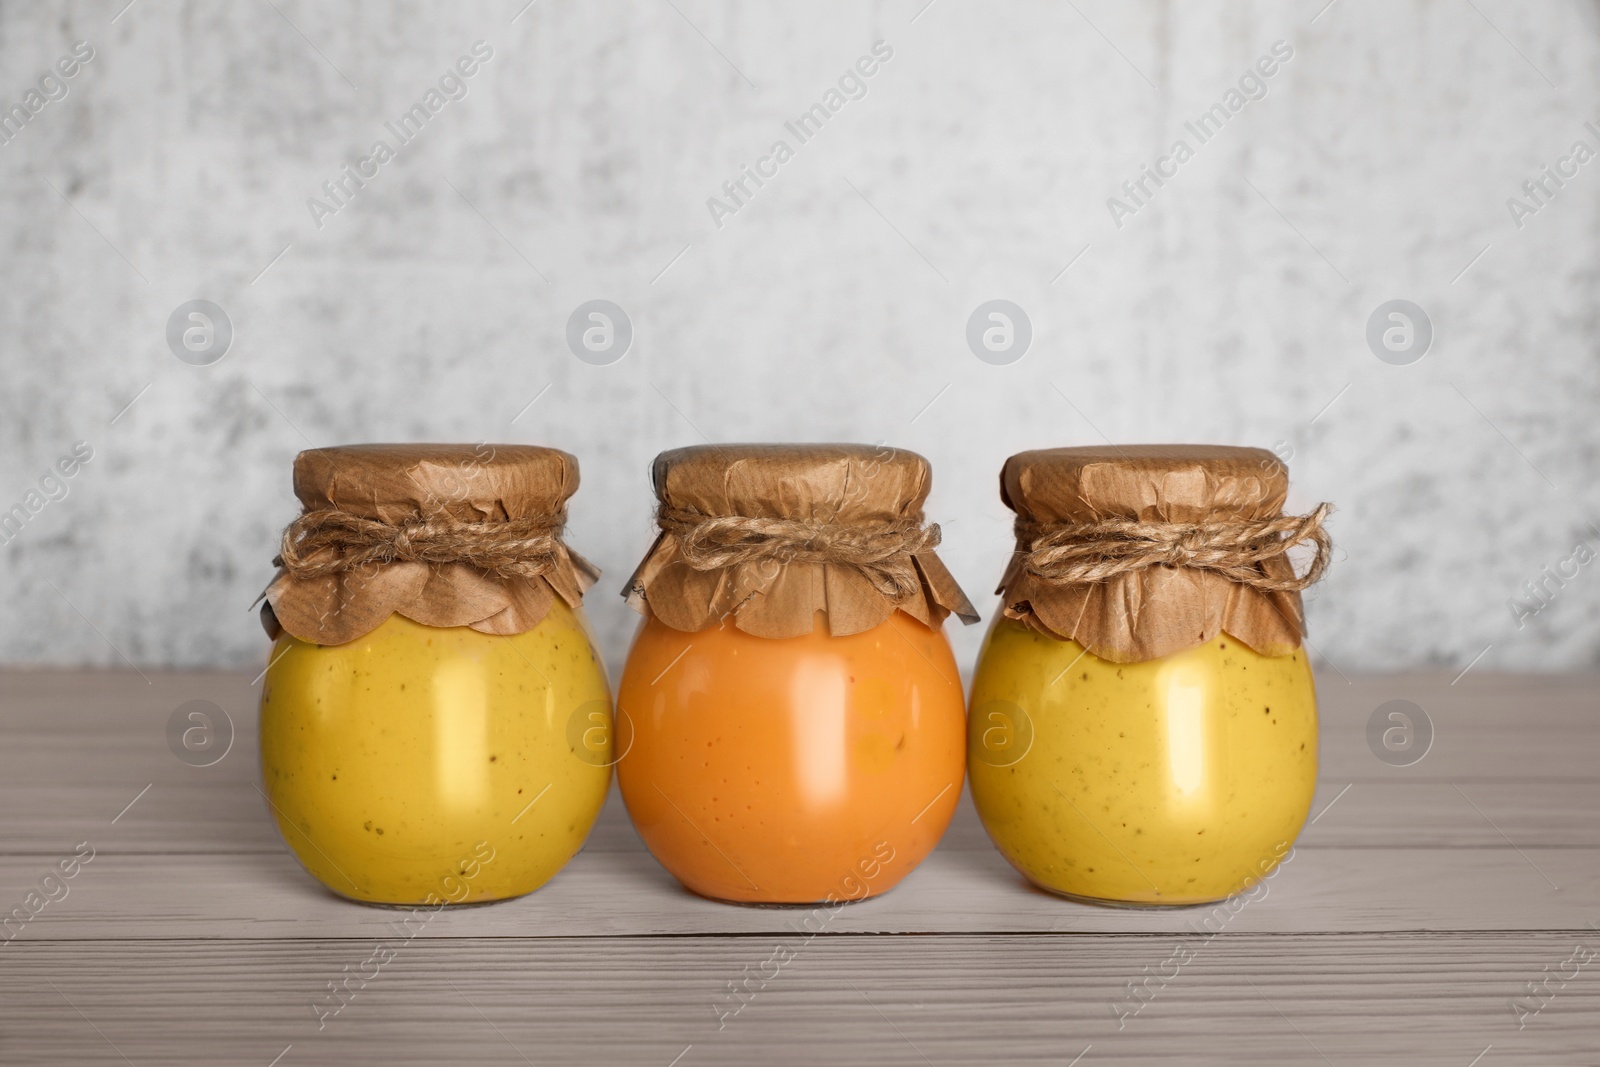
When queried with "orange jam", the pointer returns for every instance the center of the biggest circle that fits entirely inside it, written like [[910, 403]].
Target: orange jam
[[791, 770]]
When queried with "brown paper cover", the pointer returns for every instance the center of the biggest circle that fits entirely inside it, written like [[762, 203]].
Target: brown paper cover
[[396, 483], [833, 483], [1159, 610]]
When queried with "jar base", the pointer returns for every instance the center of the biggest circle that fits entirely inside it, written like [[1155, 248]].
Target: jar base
[[442, 905], [786, 905], [1130, 905]]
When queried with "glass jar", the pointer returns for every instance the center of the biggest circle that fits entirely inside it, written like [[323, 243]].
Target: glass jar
[[1144, 727], [792, 715], [435, 720]]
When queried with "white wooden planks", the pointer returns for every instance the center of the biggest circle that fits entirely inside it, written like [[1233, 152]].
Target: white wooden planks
[[1416, 910]]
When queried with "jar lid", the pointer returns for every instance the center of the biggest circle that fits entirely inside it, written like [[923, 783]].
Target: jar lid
[[1140, 551], [470, 482], [1167, 483], [446, 535], [772, 534]]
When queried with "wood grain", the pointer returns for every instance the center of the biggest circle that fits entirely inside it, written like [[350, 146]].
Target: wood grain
[[1417, 908], [951, 1000]]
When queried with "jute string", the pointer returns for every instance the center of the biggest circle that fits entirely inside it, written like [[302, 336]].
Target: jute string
[[515, 548], [880, 551], [1084, 553]]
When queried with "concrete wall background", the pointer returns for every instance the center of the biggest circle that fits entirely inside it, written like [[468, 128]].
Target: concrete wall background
[[833, 305]]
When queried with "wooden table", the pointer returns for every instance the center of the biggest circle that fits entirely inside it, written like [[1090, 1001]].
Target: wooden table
[[1420, 904]]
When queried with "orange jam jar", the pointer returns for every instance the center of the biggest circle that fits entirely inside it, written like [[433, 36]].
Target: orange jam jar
[[791, 721], [435, 721], [1144, 722]]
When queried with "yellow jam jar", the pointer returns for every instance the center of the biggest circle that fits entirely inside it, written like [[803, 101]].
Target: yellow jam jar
[[435, 720], [1143, 727]]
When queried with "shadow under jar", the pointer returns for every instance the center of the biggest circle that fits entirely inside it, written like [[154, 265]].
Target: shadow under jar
[[435, 721], [791, 717], [1144, 727]]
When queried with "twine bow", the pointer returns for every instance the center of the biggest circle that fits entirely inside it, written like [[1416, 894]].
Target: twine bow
[[880, 551], [1084, 553], [332, 541]]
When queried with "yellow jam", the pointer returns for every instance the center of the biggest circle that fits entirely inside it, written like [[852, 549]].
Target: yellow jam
[[420, 765], [1180, 780]]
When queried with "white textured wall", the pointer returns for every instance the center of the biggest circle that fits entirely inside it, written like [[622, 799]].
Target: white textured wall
[[1231, 309]]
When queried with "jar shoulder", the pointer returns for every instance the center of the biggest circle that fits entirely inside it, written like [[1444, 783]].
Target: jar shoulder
[[900, 647], [1017, 662], [399, 652]]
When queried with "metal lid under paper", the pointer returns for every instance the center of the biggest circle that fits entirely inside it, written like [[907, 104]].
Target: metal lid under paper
[[773, 534], [1156, 611], [447, 535]]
